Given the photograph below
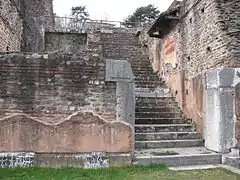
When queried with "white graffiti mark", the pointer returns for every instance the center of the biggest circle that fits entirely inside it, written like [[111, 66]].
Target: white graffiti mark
[[12, 160], [94, 160]]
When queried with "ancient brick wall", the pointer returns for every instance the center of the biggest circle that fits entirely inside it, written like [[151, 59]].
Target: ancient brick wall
[[229, 15], [62, 103], [51, 87], [65, 42], [206, 37], [10, 26]]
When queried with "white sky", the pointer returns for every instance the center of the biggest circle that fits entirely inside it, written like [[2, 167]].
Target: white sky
[[107, 9]]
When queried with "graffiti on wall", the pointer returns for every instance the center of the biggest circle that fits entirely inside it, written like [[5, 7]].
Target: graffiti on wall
[[13, 160], [94, 160]]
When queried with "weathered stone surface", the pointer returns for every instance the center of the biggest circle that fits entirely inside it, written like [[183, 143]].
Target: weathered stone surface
[[80, 133], [125, 108], [119, 71], [221, 109], [50, 87], [38, 18], [91, 160], [87, 161], [65, 42], [11, 26], [23, 24]]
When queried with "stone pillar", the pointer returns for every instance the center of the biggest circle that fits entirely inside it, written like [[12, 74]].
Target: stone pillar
[[219, 107], [120, 71]]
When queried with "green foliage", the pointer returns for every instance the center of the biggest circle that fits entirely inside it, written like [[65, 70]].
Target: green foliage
[[144, 14], [80, 12]]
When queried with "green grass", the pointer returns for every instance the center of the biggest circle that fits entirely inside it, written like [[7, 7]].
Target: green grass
[[126, 173]]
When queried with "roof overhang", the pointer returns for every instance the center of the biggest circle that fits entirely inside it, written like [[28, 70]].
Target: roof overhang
[[164, 23]]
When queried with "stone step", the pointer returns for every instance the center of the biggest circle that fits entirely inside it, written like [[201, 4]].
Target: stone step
[[160, 121], [145, 77], [166, 136], [156, 99], [156, 104], [171, 106], [150, 82], [194, 167], [157, 109], [169, 143], [180, 160], [144, 62], [143, 72], [144, 128], [158, 115], [155, 94], [151, 86]]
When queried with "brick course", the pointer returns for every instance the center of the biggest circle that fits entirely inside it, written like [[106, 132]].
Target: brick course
[[51, 87]]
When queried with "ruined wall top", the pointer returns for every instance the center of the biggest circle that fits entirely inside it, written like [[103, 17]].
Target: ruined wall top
[[22, 24]]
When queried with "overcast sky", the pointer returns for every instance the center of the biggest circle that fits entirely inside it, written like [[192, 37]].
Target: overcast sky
[[107, 9]]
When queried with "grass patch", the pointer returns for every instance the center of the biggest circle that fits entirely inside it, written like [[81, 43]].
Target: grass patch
[[124, 173]]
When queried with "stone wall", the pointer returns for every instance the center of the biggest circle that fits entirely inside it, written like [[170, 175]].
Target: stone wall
[[229, 14], [66, 103], [11, 26], [51, 87], [80, 133], [65, 42], [206, 37]]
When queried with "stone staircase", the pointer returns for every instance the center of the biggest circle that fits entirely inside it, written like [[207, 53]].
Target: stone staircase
[[159, 112], [162, 134]]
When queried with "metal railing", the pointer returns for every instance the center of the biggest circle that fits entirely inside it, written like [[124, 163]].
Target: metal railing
[[69, 24]]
